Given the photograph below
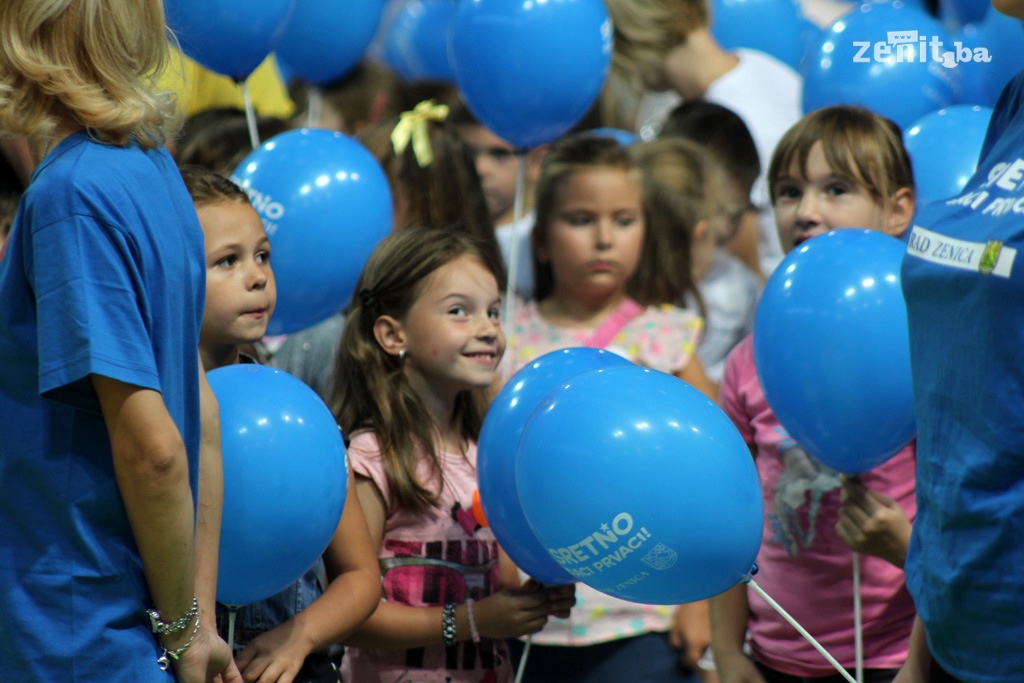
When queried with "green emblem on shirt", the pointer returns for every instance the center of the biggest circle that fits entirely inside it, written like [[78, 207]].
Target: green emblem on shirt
[[989, 257]]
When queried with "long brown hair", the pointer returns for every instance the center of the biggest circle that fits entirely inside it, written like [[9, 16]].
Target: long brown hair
[[371, 391]]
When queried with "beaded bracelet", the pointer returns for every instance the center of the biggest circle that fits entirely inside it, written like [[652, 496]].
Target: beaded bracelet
[[472, 620], [160, 627], [164, 660], [448, 624]]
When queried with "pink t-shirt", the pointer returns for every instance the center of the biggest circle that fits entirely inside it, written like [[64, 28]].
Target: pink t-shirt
[[804, 566], [659, 337], [451, 535]]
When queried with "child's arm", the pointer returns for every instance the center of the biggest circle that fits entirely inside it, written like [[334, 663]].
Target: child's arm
[[729, 613], [873, 524], [691, 632], [211, 500], [507, 613], [918, 666], [352, 594]]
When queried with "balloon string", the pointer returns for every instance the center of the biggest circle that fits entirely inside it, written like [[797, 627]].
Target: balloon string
[[522, 661], [858, 633], [514, 255], [250, 116], [810, 639], [231, 628], [315, 108]]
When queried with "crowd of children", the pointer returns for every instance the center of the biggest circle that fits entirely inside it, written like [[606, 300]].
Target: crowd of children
[[654, 250]]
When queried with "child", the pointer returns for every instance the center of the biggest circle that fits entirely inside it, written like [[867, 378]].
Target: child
[[439, 190], [103, 403], [421, 346], [721, 131], [668, 46], [285, 636], [695, 203], [838, 167], [600, 282], [497, 163], [434, 185]]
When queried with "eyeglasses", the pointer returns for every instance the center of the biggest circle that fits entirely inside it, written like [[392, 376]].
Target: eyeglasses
[[425, 581]]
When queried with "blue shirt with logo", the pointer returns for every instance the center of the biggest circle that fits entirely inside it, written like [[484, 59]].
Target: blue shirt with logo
[[963, 278]]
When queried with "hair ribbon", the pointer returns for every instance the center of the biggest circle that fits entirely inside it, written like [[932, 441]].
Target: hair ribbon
[[412, 126]]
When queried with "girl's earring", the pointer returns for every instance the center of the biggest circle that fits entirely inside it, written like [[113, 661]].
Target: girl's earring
[[401, 354]]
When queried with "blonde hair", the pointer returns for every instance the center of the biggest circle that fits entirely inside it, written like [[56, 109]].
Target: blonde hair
[[691, 184], [371, 390], [645, 32], [860, 145], [95, 60]]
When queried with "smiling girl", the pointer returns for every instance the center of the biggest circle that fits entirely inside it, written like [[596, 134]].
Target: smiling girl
[[421, 346]]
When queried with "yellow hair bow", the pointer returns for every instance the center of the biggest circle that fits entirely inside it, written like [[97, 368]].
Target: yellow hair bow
[[412, 125]]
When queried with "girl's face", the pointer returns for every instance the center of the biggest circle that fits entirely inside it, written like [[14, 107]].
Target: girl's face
[[451, 334], [821, 201], [240, 289], [596, 235]]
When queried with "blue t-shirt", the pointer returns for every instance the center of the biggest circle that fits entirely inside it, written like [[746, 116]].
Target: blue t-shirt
[[104, 274], [963, 277]]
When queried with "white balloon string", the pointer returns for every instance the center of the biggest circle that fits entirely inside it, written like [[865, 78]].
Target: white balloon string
[[810, 639], [514, 255], [315, 108], [858, 630], [250, 116], [522, 661], [231, 629]]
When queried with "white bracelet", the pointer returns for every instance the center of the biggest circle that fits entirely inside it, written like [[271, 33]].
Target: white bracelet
[[472, 621]]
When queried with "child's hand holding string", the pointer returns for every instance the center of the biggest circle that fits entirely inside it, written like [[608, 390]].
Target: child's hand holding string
[[521, 611], [276, 655], [561, 599], [872, 524]]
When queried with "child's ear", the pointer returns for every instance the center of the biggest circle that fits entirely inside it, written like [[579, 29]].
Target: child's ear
[[389, 334], [900, 212]]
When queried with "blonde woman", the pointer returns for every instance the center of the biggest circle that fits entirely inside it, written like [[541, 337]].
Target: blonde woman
[[109, 538]]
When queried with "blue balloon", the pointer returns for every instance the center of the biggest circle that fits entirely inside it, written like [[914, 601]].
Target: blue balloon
[[880, 56], [496, 453], [325, 39], [775, 27], [285, 480], [415, 40], [944, 148], [832, 349], [640, 486], [229, 37], [325, 203], [529, 71]]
